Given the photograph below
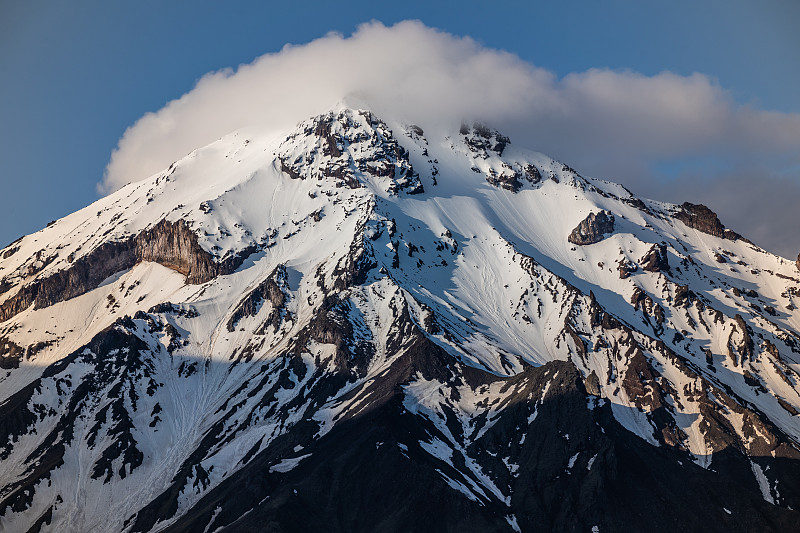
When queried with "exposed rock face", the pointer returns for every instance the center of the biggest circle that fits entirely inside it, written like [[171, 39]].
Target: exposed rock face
[[343, 144], [511, 178], [592, 229], [653, 313], [172, 244], [656, 259], [10, 354], [80, 277], [480, 139], [592, 384], [11, 250], [5, 286], [550, 473], [741, 347], [626, 268], [701, 218], [270, 290], [798, 262], [484, 143]]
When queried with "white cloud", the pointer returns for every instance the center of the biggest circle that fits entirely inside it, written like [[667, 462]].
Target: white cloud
[[616, 125], [408, 69]]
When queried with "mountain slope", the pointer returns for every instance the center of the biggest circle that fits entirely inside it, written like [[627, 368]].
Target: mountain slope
[[350, 326]]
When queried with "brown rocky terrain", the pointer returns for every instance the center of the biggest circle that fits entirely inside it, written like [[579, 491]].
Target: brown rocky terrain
[[592, 229]]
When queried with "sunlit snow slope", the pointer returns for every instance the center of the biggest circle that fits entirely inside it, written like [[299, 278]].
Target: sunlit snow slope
[[353, 327]]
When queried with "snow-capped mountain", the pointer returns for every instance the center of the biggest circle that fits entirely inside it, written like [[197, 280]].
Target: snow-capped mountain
[[354, 327]]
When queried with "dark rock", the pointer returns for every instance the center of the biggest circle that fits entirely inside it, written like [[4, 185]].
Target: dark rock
[[505, 180], [656, 259], [533, 174], [626, 268], [171, 244], [164, 307], [633, 201], [289, 170], [683, 296], [82, 276], [593, 384], [323, 131], [480, 139], [5, 286], [592, 229], [416, 130], [650, 309], [380, 154], [511, 178], [789, 407], [747, 347], [271, 289], [10, 353], [174, 245], [703, 219], [10, 251]]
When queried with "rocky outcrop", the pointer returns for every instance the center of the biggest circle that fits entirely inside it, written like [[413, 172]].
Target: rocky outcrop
[[480, 139], [513, 179], [484, 143], [626, 268], [740, 342], [10, 353], [592, 229], [508, 179], [113, 356], [10, 251], [269, 290], [593, 384], [172, 244], [701, 218], [79, 278], [650, 310], [347, 142], [656, 259], [5, 286]]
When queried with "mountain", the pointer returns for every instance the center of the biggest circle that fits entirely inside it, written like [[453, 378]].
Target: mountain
[[353, 327]]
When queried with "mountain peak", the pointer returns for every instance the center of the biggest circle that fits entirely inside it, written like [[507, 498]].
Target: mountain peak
[[358, 303], [352, 148]]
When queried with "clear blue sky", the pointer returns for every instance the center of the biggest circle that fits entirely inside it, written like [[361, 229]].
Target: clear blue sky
[[74, 75]]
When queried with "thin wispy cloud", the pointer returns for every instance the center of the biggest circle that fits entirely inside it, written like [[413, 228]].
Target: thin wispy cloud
[[618, 125]]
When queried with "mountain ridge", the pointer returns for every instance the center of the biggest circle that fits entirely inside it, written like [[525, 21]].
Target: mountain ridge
[[217, 321]]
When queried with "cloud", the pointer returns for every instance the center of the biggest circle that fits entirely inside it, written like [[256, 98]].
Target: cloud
[[618, 125]]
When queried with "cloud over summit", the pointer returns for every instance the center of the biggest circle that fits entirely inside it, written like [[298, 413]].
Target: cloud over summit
[[618, 125]]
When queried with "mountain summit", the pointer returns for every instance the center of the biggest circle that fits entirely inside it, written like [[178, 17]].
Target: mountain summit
[[353, 327]]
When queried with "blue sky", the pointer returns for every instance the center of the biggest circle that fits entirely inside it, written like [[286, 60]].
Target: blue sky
[[75, 75]]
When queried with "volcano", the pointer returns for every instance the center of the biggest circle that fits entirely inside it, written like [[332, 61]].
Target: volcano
[[353, 327]]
